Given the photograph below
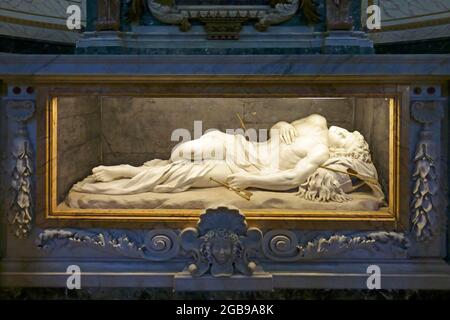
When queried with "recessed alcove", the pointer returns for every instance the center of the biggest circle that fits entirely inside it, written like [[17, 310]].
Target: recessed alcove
[[114, 130]]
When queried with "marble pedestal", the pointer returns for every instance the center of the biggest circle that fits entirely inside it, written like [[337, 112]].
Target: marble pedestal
[[276, 40]]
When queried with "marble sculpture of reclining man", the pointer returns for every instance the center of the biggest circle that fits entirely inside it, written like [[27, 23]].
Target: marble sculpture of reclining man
[[304, 154]]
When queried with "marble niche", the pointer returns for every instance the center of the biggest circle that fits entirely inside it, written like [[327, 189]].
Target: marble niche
[[111, 131]]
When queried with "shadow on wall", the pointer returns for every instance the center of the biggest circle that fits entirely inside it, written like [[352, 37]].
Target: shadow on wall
[[25, 46], [435, 46]]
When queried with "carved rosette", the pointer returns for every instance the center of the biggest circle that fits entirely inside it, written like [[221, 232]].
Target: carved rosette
[[424, 217], [20, 214], [285, 246], [221, 244]]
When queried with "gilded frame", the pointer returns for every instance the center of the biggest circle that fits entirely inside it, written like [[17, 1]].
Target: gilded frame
[[394, 218]]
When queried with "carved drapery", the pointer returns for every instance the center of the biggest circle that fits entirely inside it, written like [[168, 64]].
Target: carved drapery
[[108, 15], [20, 213], [424, 216], [339, 15]]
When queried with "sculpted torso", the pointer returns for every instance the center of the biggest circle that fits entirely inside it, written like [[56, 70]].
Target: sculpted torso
[[309, 133], [288, 144]]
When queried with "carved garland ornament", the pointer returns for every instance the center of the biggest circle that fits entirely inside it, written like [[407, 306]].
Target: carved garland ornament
[[284, 245], [154, 245], [20, 215], [424, 217]]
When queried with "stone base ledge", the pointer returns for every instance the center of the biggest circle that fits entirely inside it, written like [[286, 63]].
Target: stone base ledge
[[429, 274]]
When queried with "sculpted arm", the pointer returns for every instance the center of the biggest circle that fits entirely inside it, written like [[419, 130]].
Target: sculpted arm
[[286, 132], [284, 180]]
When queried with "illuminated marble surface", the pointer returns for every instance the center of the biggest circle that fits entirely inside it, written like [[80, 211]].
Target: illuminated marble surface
[[38, 19], [412, 20]]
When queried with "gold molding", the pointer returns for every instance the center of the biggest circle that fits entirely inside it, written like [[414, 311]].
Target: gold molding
[[53, 214]]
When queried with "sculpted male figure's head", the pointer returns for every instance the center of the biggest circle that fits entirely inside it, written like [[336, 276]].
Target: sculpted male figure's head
[[340, 137], [350, 144], [222, 250]]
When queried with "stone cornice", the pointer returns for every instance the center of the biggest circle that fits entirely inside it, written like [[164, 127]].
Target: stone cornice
[[319, 67]]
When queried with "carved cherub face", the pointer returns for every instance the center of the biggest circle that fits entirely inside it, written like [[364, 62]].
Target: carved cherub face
[[222, 250], [340, 138]]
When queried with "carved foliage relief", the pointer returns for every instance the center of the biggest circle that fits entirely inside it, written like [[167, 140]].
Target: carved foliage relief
[[285, 246], [154, 245], [20, 214], [424, 215]]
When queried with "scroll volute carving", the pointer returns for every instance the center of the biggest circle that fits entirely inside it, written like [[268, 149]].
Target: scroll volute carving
[[339, 15], [108, 15]]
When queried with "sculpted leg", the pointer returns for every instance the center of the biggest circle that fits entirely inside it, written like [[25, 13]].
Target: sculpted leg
[[110, 173]]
